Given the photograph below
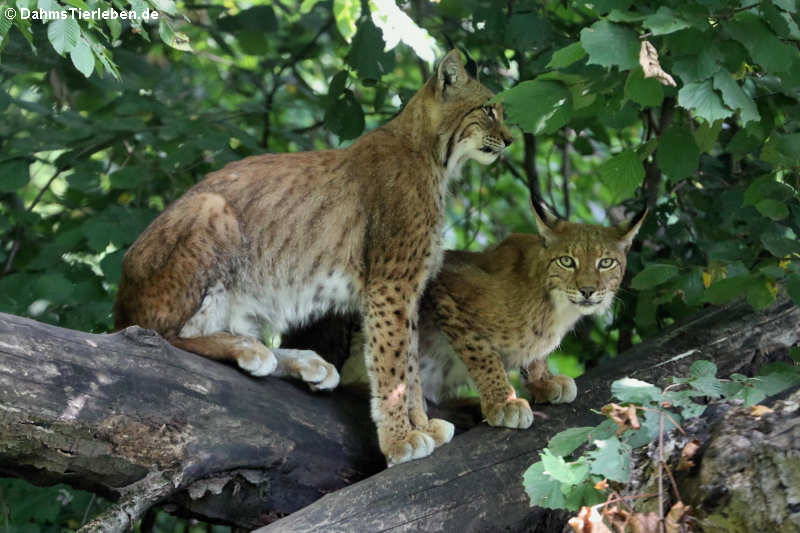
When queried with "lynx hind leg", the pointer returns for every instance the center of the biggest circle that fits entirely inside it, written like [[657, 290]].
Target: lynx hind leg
[[545, 387], [250, 354], [440, 430], [308, 366]]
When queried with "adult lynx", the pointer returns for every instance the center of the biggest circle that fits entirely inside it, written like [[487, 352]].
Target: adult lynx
[[279, 239]]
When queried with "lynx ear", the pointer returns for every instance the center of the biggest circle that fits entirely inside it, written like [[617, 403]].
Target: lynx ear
[[450, 73], [631, 228], [545, 220]]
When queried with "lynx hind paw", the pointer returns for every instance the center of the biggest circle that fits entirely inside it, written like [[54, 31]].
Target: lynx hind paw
[[441, 431], [515, 413], [257, 360], [555, 389], [416, 445], [308, 366]]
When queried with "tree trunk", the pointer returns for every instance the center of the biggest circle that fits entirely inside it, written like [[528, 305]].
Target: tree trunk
[[130, 417]]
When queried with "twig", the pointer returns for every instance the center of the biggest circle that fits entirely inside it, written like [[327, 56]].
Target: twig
[[675, 490], [660, 471], [42, 191]]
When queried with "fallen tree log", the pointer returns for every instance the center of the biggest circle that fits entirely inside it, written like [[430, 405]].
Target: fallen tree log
[[132, 418], [475, 483]]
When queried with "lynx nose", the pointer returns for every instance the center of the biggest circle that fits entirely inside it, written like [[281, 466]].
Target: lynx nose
[[587, 292]]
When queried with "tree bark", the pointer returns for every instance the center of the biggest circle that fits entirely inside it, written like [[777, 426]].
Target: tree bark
[[132, 418]]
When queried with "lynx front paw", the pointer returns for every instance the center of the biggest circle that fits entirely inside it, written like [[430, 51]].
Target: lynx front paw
[[257, 360], [554, 389], [415, 445], [514, 413]]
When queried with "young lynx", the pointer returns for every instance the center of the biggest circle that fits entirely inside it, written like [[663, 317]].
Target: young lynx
[[279, 239], [510, 306]]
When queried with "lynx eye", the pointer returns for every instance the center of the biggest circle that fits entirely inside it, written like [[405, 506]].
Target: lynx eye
[[489, 110], [566, 262], [606, 263]]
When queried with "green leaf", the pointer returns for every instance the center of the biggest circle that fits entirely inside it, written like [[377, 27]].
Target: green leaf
[[526, 29], [630, 390], [54, 288], [765, 48], [63, 34], [622, 174], [566, 56], [567, 441], [664, 21], [537, 106], [734, 97], [700, 66], [766, 187], [568, 473], [115, 26], [678, 155], [167, 6], [704, 101], [707, 134], [82, 58], [794, 353], [612, 460], [367, 54], [345, 117], [759, 294], [610, 44], [703, 368], [774, 209], [653, 274], [5, 24], [727, 289], [774, 18], [175, 39], [14, 174], [646, 92], [542, 490], [128, 177], [782, 150], [347, 13], [792, 283], [776, 378]]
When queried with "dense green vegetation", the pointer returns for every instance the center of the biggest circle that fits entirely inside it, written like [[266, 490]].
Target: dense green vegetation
[[105, 122]]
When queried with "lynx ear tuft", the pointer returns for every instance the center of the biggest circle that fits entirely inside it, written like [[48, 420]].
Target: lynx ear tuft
[[450, 73], [545, 220], [631, 228]]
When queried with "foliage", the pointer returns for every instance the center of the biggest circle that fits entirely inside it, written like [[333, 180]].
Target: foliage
[[645, 411], [105, 122]]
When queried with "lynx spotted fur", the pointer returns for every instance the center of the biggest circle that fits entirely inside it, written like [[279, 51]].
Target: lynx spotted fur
[[510, 306], [279, 239]]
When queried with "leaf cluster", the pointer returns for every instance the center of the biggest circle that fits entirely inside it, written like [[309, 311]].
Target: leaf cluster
[[556, 482]]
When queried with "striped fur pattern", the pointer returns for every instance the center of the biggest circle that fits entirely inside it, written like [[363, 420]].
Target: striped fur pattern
[[278, 239]]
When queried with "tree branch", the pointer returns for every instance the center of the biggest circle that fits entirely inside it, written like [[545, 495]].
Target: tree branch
[[134, 419]]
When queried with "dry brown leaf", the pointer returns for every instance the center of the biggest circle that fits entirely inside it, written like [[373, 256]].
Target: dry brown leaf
[[645, 523], [601, 485], [648, 59], [675, 521], [624, 417], [687, 454], [588, 520], [757, 411]]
